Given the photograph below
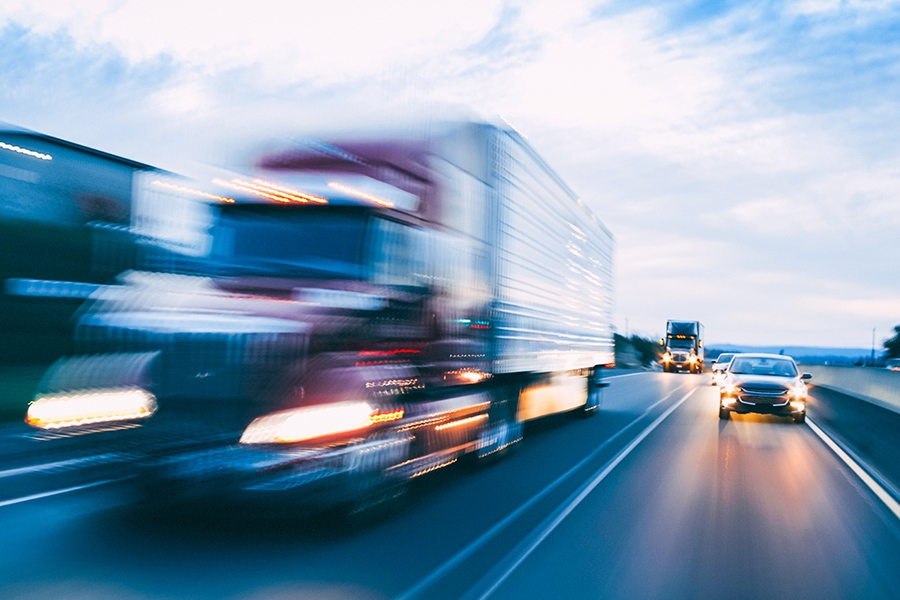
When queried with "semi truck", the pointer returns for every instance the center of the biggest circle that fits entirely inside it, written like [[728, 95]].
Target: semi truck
[[360, 311], [683, 347]]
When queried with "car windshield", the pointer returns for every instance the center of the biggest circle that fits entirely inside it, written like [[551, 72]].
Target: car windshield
[[724, 358], [762, 365]]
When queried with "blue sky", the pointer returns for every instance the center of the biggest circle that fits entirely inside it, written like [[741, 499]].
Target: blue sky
[[744, 154]]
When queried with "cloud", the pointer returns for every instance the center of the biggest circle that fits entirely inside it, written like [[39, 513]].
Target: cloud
[[744, 155]]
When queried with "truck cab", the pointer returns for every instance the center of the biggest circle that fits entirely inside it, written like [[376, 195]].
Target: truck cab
[[683, 347]]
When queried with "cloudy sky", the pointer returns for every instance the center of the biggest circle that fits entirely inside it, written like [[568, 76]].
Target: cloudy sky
[[746, 155]]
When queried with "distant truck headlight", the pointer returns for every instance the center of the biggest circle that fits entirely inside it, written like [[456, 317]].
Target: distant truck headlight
[[58, 411], [315, 422]]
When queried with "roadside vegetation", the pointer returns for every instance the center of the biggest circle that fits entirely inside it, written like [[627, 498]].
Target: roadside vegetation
[[636, 351], [892, 345]]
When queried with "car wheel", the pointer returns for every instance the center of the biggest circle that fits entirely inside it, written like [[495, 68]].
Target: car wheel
[[801, 418], [724, 413]]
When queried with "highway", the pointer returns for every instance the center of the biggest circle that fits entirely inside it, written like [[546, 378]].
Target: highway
[[654, 497]]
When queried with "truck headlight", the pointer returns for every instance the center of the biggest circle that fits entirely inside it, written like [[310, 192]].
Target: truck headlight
[[314, 422], [58, 411]]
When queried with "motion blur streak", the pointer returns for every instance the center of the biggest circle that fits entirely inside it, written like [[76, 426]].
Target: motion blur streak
[[270, 191], [461, 422], [72, 410], [867, 479], [534, 540], [25, 151], [360, 194], [54, 493], [186, 190], [309, 423], [292, 194]]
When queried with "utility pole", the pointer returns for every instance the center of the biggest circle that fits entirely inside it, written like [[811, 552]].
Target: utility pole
[[872, 360]]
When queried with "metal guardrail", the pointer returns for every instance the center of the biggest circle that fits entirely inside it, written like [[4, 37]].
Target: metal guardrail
[[879, 386]]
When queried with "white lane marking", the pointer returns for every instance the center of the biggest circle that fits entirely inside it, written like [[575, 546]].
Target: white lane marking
[[873, 485], [493, 531], [627, 375], [564, 510], [54, 465], [54, 493]]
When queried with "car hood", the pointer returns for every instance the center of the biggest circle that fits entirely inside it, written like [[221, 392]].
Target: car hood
[[763, 382]]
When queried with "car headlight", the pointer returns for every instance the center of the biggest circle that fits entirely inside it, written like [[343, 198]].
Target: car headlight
[[58, 411], [798, 392], [798, 404], [315, 422], [729, 389]]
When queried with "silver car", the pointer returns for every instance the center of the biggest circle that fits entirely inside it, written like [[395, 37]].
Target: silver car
[[719, 365]]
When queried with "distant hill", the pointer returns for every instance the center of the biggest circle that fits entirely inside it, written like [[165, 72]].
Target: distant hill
[[802, 354]]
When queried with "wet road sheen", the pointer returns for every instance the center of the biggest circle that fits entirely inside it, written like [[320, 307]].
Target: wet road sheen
[[653, 498]]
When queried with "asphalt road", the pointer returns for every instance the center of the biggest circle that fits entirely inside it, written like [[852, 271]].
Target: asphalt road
[[652, 498]]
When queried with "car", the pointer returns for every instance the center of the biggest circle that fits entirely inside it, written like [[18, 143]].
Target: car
[[892, 364], [719, 365], [763, 383]]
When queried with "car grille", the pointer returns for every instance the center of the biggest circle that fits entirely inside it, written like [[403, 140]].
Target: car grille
[[755, 395]]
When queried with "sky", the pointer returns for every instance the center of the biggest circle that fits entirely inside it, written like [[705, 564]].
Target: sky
[[746, 155]]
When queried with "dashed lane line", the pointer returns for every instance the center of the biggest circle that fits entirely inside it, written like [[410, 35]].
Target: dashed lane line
[[482, 540], [551, 523]]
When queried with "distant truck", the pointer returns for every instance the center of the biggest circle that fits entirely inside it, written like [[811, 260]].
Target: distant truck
[[683, 347], [367, 310]]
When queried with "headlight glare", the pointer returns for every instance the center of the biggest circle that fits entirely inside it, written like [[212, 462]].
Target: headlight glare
[[313, 422], [58, 411], [798, 392]]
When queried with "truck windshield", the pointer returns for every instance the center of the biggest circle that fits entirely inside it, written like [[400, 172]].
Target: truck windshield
[[302, 242], [677, 343]]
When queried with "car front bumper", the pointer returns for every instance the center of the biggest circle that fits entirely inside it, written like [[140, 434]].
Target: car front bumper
[[742, 405]]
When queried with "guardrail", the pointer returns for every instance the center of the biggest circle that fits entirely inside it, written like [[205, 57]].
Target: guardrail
[[879, 386]]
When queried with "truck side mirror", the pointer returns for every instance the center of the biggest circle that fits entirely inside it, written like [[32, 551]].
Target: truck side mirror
[[662, 342], [700, 343]]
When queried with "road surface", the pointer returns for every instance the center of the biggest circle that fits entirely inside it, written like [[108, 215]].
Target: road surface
[[655, 497]]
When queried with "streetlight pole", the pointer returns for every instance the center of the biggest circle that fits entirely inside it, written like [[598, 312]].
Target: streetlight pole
[[872, 360]]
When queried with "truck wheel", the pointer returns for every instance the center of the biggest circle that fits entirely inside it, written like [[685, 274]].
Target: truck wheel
[[594, 397]]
